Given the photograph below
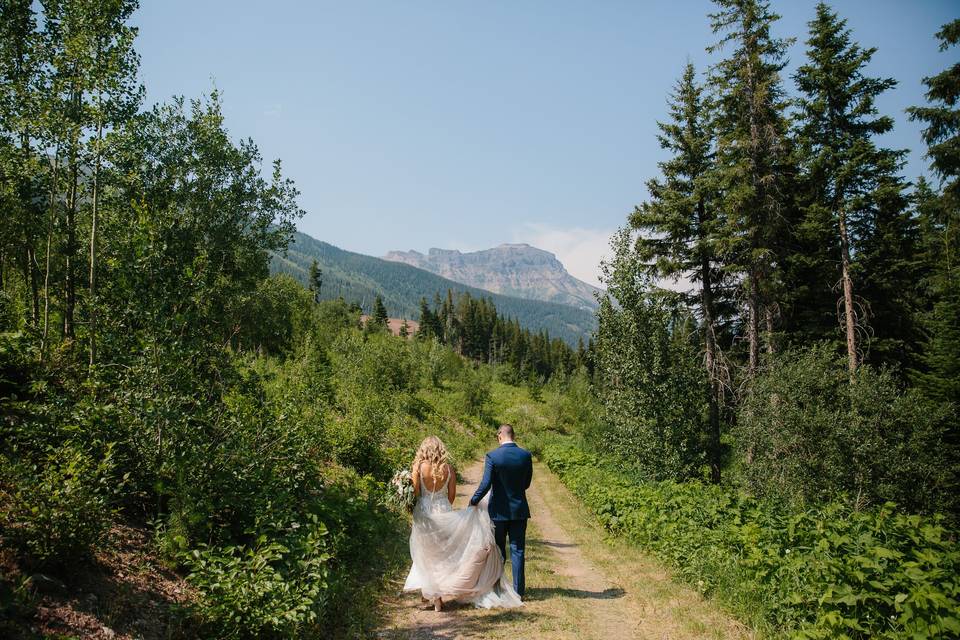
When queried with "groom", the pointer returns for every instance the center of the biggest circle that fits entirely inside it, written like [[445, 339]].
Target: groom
[[508, 470]]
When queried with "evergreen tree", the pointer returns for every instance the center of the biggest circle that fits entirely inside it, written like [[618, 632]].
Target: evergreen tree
[[315, 280], [379, 319], [426, 330], [843, 168], [891, 276], [940, 227], [404, 329], [942, 117], [679, 224], [753, 157]]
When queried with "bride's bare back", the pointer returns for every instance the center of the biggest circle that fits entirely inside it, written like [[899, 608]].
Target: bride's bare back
[[425, 474]]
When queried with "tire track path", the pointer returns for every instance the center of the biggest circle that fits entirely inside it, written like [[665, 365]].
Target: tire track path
[[578, 586]]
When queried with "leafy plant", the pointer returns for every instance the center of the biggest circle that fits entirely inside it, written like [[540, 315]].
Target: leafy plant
[[828, 572], [60, 508], [273, 587], [805, 434]]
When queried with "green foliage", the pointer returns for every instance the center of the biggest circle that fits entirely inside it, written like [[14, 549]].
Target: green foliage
[[441, 363], [753, 159], [939, 227], [805, 434], [59, 509], [651, 384], [571, 405], [278, 315], [475, 385], [850, 193], [274, 587], [942, 132], [828, 572], [379, 317]]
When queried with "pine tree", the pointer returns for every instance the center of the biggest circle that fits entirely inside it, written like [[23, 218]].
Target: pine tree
[[890, 272], [753, 157], [940, 227], [315, 280], [679, 224], [379, 319], [404, 329], [942, 117], [837, 120]]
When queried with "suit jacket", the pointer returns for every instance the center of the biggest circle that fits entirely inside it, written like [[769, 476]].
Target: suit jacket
[[508, 470]]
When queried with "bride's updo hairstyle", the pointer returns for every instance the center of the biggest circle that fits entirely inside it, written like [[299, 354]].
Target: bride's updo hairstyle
[[433, 451]]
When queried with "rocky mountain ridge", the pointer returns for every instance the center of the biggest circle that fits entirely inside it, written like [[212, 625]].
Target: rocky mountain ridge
[[518, 270]]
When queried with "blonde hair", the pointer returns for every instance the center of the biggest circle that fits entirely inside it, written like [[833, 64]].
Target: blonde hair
[[432, 450]]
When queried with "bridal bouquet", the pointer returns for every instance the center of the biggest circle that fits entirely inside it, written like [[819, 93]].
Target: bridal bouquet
[[400, 492]]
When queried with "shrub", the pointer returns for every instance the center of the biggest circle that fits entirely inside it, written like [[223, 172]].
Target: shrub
[[830, 572], [356, 436], [571, 403], [476, 386], [273, 587], [59, 509], [440, 363], [375, 362], [805, 434]]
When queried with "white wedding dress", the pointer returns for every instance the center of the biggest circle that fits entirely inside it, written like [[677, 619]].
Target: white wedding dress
[[455, 556]]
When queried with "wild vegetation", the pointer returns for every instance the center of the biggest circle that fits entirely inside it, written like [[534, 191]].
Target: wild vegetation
[[784, 434]]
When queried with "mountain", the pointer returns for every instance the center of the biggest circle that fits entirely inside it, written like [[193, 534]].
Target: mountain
[[360, 278], [511, 269]]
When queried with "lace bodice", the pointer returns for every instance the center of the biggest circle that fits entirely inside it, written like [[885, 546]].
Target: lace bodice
[[433, 501]]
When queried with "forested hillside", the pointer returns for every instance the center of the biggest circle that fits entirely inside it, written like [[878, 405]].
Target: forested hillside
[[360, 279]]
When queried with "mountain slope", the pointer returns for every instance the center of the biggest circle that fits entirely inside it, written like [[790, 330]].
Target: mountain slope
[[360, 278], [511, 269]]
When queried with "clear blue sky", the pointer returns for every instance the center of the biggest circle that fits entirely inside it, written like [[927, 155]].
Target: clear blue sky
[[409, 125]]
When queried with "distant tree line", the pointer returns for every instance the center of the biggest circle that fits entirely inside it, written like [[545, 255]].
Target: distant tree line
[[474, 329]]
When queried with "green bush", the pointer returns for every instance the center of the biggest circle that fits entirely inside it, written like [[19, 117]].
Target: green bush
[[377, 362], [476, 387], [649, 375], [440, 362], [830, 572], [273, 587], [571, 404], [59, 509], [804, 434]]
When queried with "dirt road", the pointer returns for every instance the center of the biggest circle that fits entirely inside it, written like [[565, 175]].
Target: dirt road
[[578, 586]]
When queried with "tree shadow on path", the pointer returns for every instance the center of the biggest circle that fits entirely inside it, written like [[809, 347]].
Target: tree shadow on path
[[545, 593], [452, 623], [552, 544]]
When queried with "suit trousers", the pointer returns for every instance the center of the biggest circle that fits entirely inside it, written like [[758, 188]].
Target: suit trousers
[[517, 530]]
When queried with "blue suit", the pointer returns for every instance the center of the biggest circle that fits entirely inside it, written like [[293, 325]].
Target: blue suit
[[508, 470]]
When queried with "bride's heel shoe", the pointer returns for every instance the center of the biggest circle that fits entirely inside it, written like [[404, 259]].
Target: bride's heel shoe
[[438, 604]]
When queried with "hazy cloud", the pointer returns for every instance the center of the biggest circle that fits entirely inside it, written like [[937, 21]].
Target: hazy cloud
[[579, 249]]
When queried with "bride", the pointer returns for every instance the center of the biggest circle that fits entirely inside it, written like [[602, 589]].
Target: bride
[[454, 553]]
